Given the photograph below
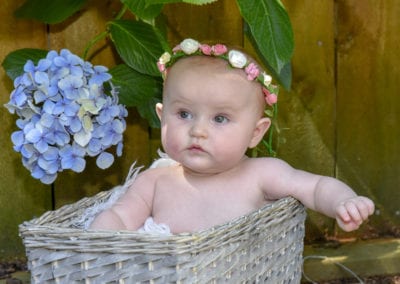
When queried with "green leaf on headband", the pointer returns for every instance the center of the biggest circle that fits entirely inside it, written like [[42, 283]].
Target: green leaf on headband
[[271, 30], [138, 90], [14, 62], [139, 45], [49, 11]]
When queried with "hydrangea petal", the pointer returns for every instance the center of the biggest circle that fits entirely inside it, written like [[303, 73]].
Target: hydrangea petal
[[104, 160], [82, 137]]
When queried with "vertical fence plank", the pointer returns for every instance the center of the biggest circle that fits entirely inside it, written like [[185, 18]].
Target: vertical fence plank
[[307, 111], [369, 104], [219, 21], [21, 198]]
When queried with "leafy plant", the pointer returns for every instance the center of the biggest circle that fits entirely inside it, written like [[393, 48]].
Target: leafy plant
[[140, 42]]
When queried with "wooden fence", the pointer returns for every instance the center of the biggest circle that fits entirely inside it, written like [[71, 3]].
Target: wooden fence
[[339, 119]]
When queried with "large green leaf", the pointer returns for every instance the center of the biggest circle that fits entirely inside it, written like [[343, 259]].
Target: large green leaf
[[138, 90], [284, 77], [49, 11], [14, 62], [139, 45], [142, 9], [271, 30], [148, 111]]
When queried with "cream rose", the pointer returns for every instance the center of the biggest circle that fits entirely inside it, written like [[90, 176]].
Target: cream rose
[[189, 46], [267, 79], [165, 58], [237, 59]]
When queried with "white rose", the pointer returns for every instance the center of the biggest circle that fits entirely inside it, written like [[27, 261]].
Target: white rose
[[267, 79], [165, 58], [189, 46], [237, 59]]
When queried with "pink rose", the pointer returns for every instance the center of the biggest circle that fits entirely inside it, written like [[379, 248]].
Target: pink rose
[[205, 49], [270, 99], [219, 49], [176, 49], [252, 71], [160, 66]]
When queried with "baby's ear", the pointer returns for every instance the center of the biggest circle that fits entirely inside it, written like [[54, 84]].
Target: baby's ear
[[159, 108], [261, 128]]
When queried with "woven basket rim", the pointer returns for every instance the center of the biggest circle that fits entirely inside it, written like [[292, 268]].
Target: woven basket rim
[[46, 228]]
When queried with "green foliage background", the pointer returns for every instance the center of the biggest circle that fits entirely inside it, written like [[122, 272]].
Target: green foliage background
[[140, 42]]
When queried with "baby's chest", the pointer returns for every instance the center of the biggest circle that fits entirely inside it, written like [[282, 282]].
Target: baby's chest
[[190, 209]]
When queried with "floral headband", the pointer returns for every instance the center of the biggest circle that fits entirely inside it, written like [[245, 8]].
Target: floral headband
[[235, 58]]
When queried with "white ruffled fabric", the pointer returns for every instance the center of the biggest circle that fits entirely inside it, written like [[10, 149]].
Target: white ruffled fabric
[[149, 227]]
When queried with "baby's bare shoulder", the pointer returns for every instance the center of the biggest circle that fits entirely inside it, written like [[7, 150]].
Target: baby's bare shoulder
[[273, 165]]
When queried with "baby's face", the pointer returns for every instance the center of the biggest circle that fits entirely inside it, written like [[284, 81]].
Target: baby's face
[[209, 114]]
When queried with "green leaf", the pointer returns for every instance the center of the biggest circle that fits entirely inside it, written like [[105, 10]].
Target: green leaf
[[271, 30], [14, 62], [284, 77], [194, 2], [138, 90], [142, 10], [139, 45], [148, 111], [199, 2], [49, 11]]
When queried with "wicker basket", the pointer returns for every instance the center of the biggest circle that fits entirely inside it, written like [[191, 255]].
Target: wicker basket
[[262, 247]]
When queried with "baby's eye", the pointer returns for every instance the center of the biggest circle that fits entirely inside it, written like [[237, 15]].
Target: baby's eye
[[184, 114], [221, 119]]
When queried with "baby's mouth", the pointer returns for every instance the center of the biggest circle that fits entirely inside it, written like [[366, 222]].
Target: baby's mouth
[[196, 148]]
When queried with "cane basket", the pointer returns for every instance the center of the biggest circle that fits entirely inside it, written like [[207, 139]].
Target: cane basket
[[264, 246]]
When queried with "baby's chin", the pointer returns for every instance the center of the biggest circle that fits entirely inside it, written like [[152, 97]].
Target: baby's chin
[[204, 169]]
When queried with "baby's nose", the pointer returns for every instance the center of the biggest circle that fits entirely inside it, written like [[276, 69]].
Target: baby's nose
[[199, 129]]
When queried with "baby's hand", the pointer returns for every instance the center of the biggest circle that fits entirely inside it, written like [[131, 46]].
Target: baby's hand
[[351, 212]]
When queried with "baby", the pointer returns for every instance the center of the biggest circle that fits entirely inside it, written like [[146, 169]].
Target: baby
[[212, 112]]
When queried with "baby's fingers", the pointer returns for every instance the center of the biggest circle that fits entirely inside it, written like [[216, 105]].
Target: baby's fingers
[[365, 207], [347, 211], [355, 210]]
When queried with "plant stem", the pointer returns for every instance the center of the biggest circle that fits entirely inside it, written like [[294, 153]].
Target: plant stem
[[92, 42], [121, 12]]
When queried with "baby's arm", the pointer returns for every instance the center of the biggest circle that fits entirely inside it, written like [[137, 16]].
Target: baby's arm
[[335, 199], [131, 210], [323, 194]]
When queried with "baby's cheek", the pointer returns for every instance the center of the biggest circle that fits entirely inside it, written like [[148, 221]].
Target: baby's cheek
[[171, 144]]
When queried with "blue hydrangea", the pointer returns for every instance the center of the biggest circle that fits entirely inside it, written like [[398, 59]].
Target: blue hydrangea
[[65, 115]]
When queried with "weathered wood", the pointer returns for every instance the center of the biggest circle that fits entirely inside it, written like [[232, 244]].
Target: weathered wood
[[307, 111], [368, 104], [22, 198], [220, 21]]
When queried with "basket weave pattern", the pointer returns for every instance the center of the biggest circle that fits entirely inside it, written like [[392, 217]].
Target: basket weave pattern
[[262, 247]]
